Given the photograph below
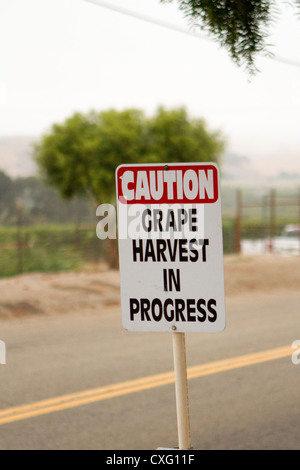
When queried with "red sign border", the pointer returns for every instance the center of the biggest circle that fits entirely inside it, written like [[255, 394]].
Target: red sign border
[[166, 166]]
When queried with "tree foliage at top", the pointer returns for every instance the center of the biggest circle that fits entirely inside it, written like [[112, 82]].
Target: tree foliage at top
[[241, 26], [80, 156]]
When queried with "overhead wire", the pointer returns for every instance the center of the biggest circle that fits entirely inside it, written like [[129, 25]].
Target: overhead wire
[[179, 29]]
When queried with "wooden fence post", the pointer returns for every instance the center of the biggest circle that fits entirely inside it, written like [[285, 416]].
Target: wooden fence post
[[238, 217]]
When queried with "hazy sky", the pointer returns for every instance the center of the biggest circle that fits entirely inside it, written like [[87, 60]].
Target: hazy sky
[[62, 56]]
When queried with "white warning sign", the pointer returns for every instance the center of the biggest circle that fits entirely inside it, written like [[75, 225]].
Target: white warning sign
[[170, 247]]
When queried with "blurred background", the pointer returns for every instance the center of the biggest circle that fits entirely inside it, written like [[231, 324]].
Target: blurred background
[[63, 59], [86, 85]]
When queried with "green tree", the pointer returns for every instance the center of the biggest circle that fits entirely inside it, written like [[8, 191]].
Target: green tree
[[175, 137], [80, 156], [241, 26], [5, 187]]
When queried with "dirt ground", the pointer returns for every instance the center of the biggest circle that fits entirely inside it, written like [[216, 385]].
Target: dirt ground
[[95, 286]]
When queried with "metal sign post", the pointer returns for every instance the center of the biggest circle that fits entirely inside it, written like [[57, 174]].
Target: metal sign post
[[181, 388]]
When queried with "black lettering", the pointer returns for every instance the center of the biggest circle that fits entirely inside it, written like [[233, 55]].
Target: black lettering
[[212, 310], [171, 221], [194, 253], [173, 252], [183, 250], [205, 243], [149, 251], [182, 218], [174, 279], [137, 249], [179, 309], [167, 316], [161, 246], [148, 227], [165, 276], [157, 316], [157, 218], [145, 306], [192, 220], [190, 304], [201, 310], [134, 307]]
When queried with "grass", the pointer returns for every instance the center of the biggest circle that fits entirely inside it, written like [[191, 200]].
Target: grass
[[64, 247], [47, 248], [40, 259]]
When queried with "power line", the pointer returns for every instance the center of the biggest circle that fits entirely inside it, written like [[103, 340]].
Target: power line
[[283, 60], [148, 19], [178, 29]]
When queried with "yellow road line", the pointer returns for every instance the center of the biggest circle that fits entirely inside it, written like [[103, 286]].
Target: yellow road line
[[72, 400]]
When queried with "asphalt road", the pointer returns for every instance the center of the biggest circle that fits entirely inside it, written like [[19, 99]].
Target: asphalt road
[[250, 405]]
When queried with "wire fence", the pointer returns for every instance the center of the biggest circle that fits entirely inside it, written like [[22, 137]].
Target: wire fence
[[48, 248], [265, 217], [51, 247]]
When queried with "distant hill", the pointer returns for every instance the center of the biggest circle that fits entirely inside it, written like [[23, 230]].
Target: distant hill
[[16, 161], [16, 156], [289, 176], [236, 168], [239, 170]]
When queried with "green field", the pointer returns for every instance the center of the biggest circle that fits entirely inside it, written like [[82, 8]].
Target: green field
[[63, 247], [47, 248]]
